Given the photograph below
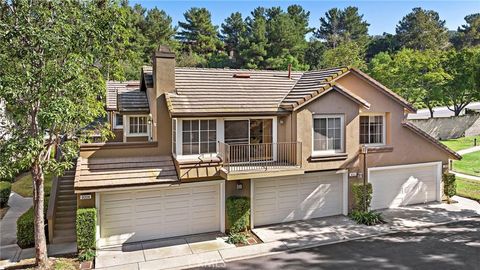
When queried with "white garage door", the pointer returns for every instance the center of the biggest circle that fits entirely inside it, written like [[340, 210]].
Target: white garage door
[[403, 185], [301, 197], [131, 216]]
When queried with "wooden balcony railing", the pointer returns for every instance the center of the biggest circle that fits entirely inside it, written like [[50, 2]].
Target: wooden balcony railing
[[260, 157]]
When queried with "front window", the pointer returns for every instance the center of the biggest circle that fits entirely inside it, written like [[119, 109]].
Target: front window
[[118, 121], [174, 136], [199, 137], [328, 133], [372, 129], [137, 125]]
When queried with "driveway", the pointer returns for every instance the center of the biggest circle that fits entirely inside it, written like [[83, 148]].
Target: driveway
[[452, 246]]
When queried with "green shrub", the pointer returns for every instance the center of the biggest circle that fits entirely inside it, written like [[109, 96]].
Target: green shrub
[[26, 230], [237, 238], [368, 218], [358, 196], [5, 189], [86, 255], [86, 228], [449, 185], [238, 213]]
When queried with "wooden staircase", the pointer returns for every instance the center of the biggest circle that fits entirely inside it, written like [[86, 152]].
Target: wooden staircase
[[65, 210]]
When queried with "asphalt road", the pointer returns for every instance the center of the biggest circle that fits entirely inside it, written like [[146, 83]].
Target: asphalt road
[[453, 246]]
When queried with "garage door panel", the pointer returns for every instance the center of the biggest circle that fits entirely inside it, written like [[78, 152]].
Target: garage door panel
[[159, 213], [393, 187], [297, 198]]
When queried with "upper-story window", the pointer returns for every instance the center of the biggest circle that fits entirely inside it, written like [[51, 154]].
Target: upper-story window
[[137, 125], [372, 129], [199, 137], [328, 134], [118, 121]]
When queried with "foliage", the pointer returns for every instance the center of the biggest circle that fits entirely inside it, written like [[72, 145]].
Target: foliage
[[359, 196], [340, 26], [5, 189], [386, 43], [238, 213], [314, 53], [449, 185], [24, 185], [345, 54], [464, 87], [198, 33], [421, 30], [253, 46], [468, 35], [237, 238], [86, 255], [233, 29], [26, 230], [368, 218], [86, 228]]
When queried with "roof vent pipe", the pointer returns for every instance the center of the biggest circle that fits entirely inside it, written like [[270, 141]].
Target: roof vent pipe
[[289, 71]]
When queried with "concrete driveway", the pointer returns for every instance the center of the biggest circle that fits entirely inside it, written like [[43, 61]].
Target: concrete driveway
[[163, 253], [452, 246]]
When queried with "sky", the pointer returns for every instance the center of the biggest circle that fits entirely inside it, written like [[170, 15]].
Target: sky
[[383, 16]]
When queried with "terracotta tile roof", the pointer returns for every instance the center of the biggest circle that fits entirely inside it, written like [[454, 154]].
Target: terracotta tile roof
[[311, 84], [96, 173], [126, 97], [431, 139], [212, 91]]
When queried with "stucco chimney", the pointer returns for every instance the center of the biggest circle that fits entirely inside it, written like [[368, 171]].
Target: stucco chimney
[[163, 70]]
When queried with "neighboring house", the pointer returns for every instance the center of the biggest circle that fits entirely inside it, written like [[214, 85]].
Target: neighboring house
[[188, 138]]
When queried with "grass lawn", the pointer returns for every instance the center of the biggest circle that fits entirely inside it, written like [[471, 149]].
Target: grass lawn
[[468, 188], [461, 143], [24, 185], [470, 164]]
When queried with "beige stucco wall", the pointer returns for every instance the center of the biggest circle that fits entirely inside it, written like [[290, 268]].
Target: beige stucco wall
[[86, 203], [330, 103]]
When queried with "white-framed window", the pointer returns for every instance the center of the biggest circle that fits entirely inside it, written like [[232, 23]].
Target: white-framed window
[[174, 136], [137, 126], [199, 136], [117, 121], [328, 134], [372, 129]]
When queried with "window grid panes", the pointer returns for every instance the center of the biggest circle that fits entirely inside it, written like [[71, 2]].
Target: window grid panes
[[371, 129], [138, 125], [199, 137], [327, 133]]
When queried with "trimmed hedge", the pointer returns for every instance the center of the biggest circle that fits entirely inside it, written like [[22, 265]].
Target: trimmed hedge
[[5, 189], [358, 196], [238, 213], [86, 228], [449, 185], [26, 230]]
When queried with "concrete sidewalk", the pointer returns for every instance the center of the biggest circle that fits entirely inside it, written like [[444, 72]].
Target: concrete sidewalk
[[283, 237], [466, 176], [468, 150]]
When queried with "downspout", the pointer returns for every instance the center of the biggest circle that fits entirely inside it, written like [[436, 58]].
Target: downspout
[[365, 173]]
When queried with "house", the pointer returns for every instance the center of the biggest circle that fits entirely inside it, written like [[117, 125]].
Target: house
[[293, 142]]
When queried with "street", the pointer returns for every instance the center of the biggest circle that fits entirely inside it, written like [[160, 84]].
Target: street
[[452, 246]]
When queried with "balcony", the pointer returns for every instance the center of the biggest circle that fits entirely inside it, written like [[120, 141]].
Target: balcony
[[267, 159]]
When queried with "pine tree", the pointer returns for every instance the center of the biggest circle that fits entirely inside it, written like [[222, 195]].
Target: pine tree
[[468, 35], [232, 31], [254, 43]]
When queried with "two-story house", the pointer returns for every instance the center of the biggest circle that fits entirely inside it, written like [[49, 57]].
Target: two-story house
[[293, 142]]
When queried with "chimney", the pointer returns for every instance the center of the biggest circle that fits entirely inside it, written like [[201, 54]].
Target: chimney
[[163, 70], [289, 71]]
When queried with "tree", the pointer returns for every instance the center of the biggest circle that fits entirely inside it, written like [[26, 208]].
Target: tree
[[158, 30], [342, 26], [464, 86], [418, 76], [421, 30], [468, 35], [51, 64], [314, 53], [198, 33], [232, 31], [346, 54], [384, 43], [253, 44]]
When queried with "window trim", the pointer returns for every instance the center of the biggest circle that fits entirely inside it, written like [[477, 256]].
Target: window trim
[[180, 139], [129, 134], [115, 125], [342, 135], [384, 129]]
